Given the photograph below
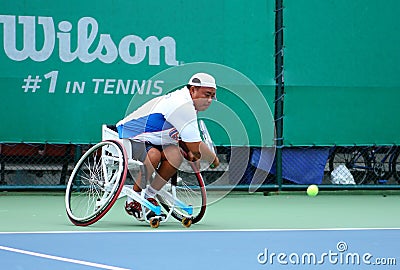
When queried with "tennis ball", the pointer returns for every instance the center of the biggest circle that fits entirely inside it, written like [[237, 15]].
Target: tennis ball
[[312, 190]]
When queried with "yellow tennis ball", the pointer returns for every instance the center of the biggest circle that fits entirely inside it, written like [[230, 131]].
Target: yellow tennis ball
[[312, 190]]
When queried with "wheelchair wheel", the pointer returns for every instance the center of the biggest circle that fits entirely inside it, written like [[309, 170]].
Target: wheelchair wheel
[[395, 165], [190, 189], [95, 183], [355, 160]]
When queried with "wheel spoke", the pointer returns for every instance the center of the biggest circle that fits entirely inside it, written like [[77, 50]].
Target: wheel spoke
[[93, 186], [191, 191]]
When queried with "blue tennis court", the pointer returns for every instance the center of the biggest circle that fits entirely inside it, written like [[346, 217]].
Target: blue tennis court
[[240, 231], [245, 249]]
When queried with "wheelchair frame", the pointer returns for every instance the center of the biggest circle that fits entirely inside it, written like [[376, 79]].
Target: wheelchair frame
[[116, 152]]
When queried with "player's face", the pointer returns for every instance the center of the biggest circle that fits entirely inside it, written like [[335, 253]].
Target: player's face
[[202, 97]]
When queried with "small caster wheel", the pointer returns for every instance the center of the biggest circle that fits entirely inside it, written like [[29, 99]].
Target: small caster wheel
[[154, 222], [186, 222]]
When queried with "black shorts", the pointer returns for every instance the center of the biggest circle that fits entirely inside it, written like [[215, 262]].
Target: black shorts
[[140, 149]]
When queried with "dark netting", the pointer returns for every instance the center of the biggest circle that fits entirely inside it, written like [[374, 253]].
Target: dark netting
[[300, 165], [46, 165], [26, 164], [338, 165], [363, 165]]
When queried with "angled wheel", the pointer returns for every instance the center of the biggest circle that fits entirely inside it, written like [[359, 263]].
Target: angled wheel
[[189, 188], [381, 162], [356, 161], [395, 165], [95, 183]]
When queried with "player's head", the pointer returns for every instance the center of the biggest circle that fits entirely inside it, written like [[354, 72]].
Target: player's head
[[202, 88]]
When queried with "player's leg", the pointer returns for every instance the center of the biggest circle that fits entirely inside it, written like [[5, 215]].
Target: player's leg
[[171, 159], [150, 156], [151, 162]]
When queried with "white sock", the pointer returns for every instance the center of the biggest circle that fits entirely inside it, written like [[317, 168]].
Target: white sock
[[150, 192]]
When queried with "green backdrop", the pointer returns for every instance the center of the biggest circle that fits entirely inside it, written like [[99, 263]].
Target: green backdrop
[[341, 66], [342, 71], [93, 48]]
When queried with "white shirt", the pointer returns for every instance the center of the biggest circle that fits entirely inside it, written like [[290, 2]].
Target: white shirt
[[162, 120]]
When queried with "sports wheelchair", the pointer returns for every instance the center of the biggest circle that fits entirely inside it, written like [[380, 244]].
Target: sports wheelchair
[[98, 180]]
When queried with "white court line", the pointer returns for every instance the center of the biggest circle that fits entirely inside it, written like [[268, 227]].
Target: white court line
[[205, 230], [46, 256]]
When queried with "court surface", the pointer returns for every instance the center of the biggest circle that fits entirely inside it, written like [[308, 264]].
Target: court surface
[[241, 231]]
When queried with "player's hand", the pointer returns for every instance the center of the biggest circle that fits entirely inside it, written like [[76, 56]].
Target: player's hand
[[215, 163]]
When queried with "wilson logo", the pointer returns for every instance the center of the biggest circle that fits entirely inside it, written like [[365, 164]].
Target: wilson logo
[[90, 45]]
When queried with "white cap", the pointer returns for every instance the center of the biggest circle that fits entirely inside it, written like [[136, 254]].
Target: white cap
[[202, 79]]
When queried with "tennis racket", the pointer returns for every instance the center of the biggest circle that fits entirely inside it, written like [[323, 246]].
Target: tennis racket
[[206, 136]]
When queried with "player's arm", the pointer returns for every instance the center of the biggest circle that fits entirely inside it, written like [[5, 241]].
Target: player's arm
[[184, 119], [199, 150]]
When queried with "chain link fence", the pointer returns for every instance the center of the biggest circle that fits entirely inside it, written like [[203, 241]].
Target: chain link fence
[[337, 165], [26, 165], [35, 165]]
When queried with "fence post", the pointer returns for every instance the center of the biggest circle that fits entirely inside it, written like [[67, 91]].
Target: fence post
[[279, 89]]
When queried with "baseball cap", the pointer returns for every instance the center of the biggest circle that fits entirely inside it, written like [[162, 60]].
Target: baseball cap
[[202, 79]]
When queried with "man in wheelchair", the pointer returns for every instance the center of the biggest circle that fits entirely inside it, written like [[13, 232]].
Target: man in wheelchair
[[160, 128]]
